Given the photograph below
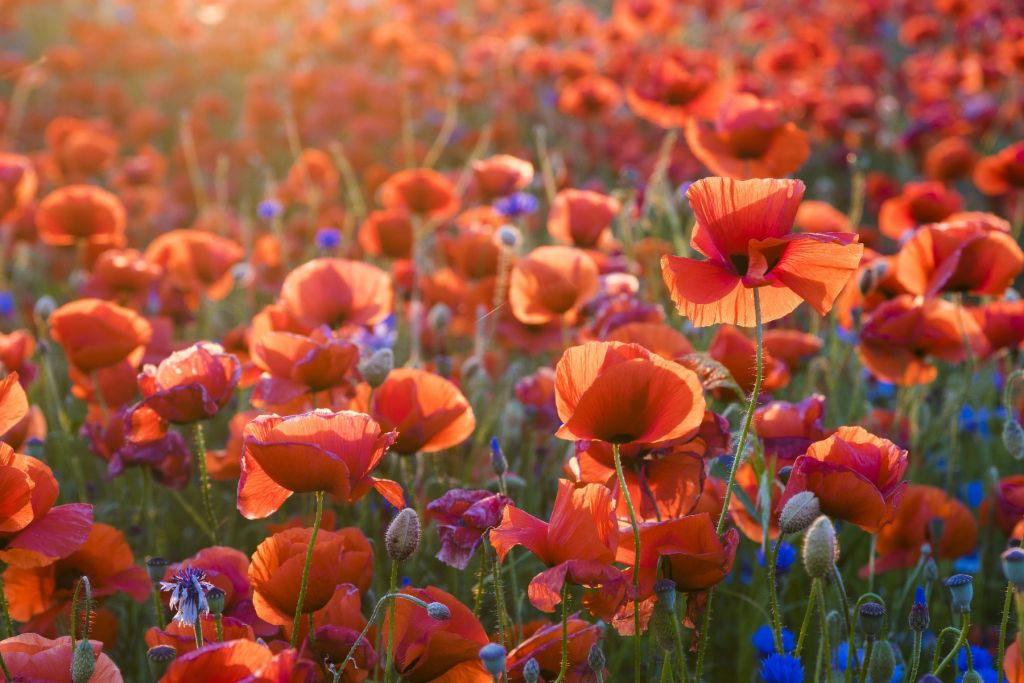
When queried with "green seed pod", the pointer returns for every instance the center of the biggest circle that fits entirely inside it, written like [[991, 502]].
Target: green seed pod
[[215, 599], [872, 619], [160, 657], [820, 548], [961, 592]]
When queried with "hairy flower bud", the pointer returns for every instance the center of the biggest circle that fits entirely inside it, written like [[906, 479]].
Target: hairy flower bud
[[155, 567], [215, 599], [595, 658], [799, 512], [664, 618], [820, 549], [531, 671], [403, 535], [1013, 438], [377, 367], [493, 657], [439, 611], [883, 662], [83, 662]]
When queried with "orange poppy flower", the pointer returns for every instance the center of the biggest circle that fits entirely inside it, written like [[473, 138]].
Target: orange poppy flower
[[791, 346], [963, 256], [749, 139], [501, 175], [316, 451], [98, 334], [13, 402], [898, 337], [80, 148], [1002, 323], [297, 364], [922, 510], [196, 262], [429, 412], [312, 178], [578, 543], [122, 275], [694, 556], [85, 213], [950, 159], [856, 476], [421, 191], [1006, 507], [183, 639], [335, 292], [18, 185], [918, 204], [16, 351], [233, 661], [743, 229], [787, 429], [669, 87], [660, 338], [343, 556], [736, 351], [190, 385], [622, 393], [582, 218], [1001, 172], [551, 283], [427, 650], [818, 216], [590, 97], [31, 657], [545, 645], [655, 16], [387, 233]]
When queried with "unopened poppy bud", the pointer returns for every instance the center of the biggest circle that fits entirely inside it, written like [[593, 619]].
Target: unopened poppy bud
[[1013, 438], [919, 618], [820, 550], [439, 318], [160, 657], [799, 512], [509, 236], [83, 662], [155, 567], [835, 624], [930, 571], [872, 619], [403, 535], [439, 611], [215, 599], [377, 367], [883, 662], [871, 276], [498, 462], [961, 591], [1013, 566], [972, 677], [531, 671], [595, 658], [44, 308], [493, 657], [664, 618]]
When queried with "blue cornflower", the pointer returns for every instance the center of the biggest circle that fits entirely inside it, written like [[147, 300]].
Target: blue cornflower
[[383, 335], [328, 238], [777, 668], [967, 564], [764, 641], [982, 658], [516, 204], [188, 589], [974, 492], [7, 303], [787, 556], [842, 655], [269, 209]]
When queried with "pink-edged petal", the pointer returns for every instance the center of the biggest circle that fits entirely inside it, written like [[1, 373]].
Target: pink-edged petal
[[59, 533]]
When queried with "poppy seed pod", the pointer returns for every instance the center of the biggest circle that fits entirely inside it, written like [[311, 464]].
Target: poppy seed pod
[[493, 657], [160, 657], [215, 599], [1013, 438], [1013, 566], [403, 535], [531, 671], [155, 566], [872, 619], [883, 662], [439, 611], [377, 367], [820, 548], [799, 512], [961, 590], [83, 662]]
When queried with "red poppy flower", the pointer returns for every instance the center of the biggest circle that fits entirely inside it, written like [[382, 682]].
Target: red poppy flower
[[749, 139], [312, 179], [582, 218], [923, 510], [31, 657], [791, 346], [190, 385], [622, 393], [297, 364], [85, 213], [1001, 172], [950, 159], [338, 628], [501, 175], [98, 334], [18, 185], [122, 275], [16, 351], [670, 87], [339, 557], [919, 204], [736, 351], [13, 402], [537, 394], [591, 96], [462, 519], [430, 651], [1006, 507], [420, 191], [195, 262], [899, 336], [962, 256], [545, 646], [183, 639], [660, 338], [141, 438], [551, 283], [857, 477], [578, 544], [232, 661], [818, 216], [429, 412], [1002, 323], [335, 292], [787, 429], [316, 451], [743, 229], [387, 233]]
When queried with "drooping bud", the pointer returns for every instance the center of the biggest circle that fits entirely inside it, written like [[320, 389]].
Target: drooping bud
[[820, 549], [377, 367], [919, 618], [872, 619], [1013, 566], [439, 611], [531, 671], [403, 535], [1013, 438], [883, 662], [83, 662], [799, 512], [961, 591], [493, 657]]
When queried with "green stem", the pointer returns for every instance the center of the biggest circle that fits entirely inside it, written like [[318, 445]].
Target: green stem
[[807, 619], [773, 598], [197, 628], [636, 562], [305, 568], [220, 628], [915, 658], [199, 441], [563, 668], [1003, 622], [705, 624], [158, 608], [499, 600], [5, 611], [965, 626], [666, 669], [388, 657], [851, 624], [825, 647], [867, 658], [938, 644]]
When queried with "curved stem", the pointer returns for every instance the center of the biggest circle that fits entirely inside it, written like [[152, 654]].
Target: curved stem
[[305, 568], [199, 442], [965, 626], [1003, 621], [773, 597], [563, 668], [636, 562]]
